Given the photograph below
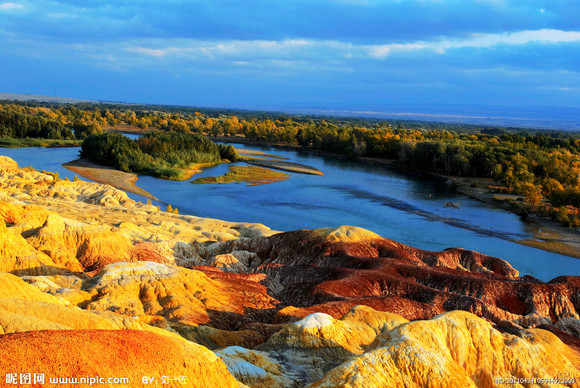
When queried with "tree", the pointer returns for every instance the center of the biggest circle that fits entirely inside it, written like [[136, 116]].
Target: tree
[[533, 193]]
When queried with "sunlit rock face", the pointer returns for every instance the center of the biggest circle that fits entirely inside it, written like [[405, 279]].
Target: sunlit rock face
[[370, 348], [237, 304], [453, 349], [177, 294], [38, 242]]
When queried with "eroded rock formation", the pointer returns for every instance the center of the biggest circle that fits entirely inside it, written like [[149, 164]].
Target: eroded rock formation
[[228, 304], [332, 270]]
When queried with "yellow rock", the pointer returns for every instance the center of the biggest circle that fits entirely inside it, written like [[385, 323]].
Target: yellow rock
[[30, 215], [455, 349], [135, 289], [310, 347], [346, 233], [7, 164], [254, 368], [13, 287], [178, 294], [65, 287], [77, 246], [24, 307], [17, 256], [229, 263], [323, 336]]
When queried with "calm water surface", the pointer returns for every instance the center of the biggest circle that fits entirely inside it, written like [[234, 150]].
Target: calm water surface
[[403, 208]]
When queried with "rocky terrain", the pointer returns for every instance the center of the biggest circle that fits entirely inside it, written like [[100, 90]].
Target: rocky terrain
[[94, 283]]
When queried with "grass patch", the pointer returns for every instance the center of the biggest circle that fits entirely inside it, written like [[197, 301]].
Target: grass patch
[[36, 142], [251, 175], [552, 246]]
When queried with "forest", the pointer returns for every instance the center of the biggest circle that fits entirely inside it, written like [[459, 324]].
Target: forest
[[542, 166]]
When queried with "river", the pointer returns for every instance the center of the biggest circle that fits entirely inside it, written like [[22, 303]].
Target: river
[[408, 209]]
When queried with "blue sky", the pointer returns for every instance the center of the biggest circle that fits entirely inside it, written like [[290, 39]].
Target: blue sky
[[278, 53]]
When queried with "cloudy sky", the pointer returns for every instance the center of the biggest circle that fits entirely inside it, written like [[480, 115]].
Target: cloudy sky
[[288, 53]]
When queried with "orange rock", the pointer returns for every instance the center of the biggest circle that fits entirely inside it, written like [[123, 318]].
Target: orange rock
[[128, 354]]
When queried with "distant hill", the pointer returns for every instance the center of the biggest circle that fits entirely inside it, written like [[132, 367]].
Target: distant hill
[[526, 117], [553, 118], [33, 97]]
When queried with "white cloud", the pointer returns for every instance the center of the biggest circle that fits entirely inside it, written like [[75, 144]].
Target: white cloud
[[229, 49], [559, 88], [382, 51], [10, 6], [518, 38], [478, 40], [299, 51], [149, 51]]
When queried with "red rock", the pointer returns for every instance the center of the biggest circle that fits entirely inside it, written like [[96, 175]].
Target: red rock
[[330, 271]]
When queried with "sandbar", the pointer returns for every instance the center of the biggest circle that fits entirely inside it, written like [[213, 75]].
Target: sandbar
[[107, 175]]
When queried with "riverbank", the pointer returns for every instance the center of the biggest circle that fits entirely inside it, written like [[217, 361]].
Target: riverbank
[[109, 176], [548, 235], [36, 142], [124, 180]]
